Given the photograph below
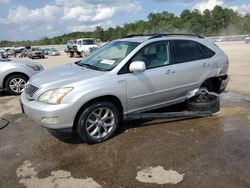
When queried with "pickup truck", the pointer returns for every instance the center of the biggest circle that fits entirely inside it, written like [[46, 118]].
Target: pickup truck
[[81, 47]]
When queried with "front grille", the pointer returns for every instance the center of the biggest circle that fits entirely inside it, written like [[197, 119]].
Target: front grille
[[30, 90]]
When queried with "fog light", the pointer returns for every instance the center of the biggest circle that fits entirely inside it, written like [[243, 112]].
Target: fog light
[[50, 120]]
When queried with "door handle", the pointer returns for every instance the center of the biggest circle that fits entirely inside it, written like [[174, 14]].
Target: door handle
[[170, 71], [205, 65]]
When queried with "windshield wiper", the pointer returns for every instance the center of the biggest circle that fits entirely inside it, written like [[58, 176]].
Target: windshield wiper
[[90, 66]]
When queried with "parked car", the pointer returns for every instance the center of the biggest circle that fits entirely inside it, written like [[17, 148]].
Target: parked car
[[53, 52], [9, 51], [247, 40], [17, 49], [15, 74], [46, 51], [36, 52], [130, 75], [4, 55]]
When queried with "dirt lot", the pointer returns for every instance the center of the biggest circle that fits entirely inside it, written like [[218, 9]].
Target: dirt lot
[[207, 152]]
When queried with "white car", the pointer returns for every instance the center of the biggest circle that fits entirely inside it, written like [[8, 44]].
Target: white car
[[53, 52], [15, 74], [247, 40]]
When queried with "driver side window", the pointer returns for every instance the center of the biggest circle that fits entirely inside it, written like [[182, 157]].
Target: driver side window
[[154, 55]]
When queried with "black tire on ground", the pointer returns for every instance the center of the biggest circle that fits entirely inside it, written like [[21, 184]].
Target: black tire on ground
[[8, 82], [71, 54], [78, 54], [212, 105], [82, 124]]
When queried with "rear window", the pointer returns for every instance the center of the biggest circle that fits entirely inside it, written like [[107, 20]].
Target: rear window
[[186, 50], [36, 49], [87, 42], [207, 53]]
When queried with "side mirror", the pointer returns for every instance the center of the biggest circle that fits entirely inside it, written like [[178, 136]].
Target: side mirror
[[137, 66]]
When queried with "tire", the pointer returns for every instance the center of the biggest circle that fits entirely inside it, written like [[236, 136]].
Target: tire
[[89, 122], [212, 105], [71, 54], [78, 54], [17, 89]]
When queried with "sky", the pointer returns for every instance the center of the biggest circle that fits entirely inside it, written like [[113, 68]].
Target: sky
[[34, 19]]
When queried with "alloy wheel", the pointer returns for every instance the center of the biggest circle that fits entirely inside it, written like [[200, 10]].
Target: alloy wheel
[[100, 123], [17, 85]]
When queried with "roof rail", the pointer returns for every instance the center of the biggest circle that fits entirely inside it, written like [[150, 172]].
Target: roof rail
[[158, 35], [174, 34], [137, 35]]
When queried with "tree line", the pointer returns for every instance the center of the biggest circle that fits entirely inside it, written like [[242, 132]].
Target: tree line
[[219, 21]]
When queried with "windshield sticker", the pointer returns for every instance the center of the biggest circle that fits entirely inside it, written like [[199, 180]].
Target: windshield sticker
[[108, 61]]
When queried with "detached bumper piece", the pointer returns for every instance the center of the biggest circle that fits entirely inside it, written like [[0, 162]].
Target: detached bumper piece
[[168, 115], [203, 104]]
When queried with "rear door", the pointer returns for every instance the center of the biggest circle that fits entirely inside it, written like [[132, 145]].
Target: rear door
[[192, 64]]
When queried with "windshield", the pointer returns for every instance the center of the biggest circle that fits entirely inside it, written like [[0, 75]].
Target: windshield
[[87, 42], [36, 49], [109, 56]]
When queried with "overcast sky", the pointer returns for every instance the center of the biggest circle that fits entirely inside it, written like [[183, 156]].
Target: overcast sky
[[33, 19]]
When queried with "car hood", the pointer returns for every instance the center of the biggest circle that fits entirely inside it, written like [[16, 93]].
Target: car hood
[[20, 62], [65, 75]]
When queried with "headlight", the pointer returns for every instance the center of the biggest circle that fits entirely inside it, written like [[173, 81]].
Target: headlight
[[34, 67], [54, 96]]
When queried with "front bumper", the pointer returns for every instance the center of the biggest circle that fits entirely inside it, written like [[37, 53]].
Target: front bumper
[[63, 115]]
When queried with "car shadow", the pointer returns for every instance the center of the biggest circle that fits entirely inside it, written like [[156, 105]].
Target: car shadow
[[71, 137], [5, 94]]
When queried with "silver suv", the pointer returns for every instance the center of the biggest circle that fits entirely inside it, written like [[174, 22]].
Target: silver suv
[[128, 75]]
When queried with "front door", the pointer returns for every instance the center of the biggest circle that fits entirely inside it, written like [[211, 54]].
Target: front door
[[153, 86]]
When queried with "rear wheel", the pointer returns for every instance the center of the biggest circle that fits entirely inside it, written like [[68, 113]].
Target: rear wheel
[[15, 84], [98, 122], [78, 54]]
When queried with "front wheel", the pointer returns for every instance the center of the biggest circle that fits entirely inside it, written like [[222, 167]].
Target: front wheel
[[71, 54], [98, 122], [15, 84]]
